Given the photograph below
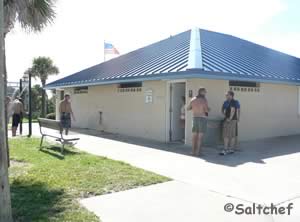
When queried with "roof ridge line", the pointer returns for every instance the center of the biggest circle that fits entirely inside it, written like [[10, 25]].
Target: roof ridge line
[[195, 52]]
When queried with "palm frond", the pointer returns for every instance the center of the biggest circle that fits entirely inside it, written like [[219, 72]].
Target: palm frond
[[36, 14], [42, 67], [33, 15]]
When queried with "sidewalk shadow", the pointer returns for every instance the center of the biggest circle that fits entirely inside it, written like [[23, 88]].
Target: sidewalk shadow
[[34, 201], [251, 151], [257, 151]]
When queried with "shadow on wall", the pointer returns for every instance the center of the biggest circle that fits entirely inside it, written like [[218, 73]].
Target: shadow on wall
[[251, 151]]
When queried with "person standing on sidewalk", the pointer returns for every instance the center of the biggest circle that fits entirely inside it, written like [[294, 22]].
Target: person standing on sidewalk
[[66, 112], [238, 107], [230, 123], [17, 110], [199, 108]]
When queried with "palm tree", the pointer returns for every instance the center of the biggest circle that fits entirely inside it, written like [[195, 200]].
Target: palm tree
[[33, 15], [5, 208], [42, 68]]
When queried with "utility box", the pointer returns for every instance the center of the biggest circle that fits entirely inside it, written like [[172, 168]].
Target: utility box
[[213, 135]]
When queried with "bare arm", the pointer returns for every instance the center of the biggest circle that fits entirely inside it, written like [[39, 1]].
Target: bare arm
[[207, 109], [189, 107], [22, 108], [238, 113], [232, 113], [71, 111], [223, 110]]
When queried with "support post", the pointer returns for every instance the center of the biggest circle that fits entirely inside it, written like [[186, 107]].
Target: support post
[[29, 107], [20, 95]]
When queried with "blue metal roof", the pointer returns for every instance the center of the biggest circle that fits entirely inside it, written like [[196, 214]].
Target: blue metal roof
[[229, 54], [223, 57]]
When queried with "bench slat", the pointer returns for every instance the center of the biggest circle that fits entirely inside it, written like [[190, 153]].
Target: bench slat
[[49, 123], [56, 125]]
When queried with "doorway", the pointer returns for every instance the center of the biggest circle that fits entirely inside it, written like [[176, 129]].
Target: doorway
[[177, 123]]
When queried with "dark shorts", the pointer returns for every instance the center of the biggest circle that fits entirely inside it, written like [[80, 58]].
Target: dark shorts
[[16, 119], [65, 120], [199, 125]]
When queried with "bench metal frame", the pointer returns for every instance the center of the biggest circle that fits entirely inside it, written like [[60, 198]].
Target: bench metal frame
[[55, 125]]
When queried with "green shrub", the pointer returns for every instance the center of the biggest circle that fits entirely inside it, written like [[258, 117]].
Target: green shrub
[[50, 116], [35, 115]]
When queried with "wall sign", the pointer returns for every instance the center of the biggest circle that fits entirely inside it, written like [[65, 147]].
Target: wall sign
[[148, 96]]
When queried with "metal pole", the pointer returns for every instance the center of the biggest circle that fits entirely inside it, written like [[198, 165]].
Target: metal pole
[[29, 107], [104, 51], [20, 95]]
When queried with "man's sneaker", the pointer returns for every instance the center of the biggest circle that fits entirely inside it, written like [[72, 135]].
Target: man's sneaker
[[230, 151], [223, 152]]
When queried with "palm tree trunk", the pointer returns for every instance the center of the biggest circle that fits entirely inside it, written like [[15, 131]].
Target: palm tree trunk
[[5, 202], [5, 94]]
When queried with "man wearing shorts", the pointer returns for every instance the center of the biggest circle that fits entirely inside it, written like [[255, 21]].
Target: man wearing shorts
[[66, 112], [238, 107], [199, 108], [17, 110], [230, 123]]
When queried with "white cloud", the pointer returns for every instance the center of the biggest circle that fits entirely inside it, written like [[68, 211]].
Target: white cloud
[[75, 41]]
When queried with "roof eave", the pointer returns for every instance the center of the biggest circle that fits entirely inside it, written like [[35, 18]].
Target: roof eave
[[189, 74]]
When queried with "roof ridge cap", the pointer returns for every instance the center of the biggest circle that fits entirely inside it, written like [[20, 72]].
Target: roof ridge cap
[[195, 52]]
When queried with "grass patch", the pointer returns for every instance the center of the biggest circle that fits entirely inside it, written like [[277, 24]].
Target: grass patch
[[46, 187], [26, 120]]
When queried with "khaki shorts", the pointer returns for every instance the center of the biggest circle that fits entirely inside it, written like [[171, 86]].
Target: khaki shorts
[[199, 125], [229, 129]]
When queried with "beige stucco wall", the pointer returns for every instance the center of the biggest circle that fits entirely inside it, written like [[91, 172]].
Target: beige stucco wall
[[271, 112], [125, 113]]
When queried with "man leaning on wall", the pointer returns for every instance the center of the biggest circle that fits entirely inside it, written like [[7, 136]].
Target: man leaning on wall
[[230, 124], [238, 107]]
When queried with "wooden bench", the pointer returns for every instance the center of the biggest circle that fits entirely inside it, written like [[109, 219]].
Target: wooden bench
[[55, 125]]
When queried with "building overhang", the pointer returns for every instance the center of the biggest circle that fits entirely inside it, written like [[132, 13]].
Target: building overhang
[[189, 74]]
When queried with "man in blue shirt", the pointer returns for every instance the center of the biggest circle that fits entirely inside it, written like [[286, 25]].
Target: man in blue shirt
[[231, 102]]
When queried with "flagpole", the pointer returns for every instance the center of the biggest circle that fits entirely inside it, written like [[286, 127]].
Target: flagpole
[[104, 51]]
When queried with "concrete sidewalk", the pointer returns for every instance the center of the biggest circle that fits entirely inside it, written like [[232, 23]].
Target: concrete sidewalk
[[172, 201], [265, 172]]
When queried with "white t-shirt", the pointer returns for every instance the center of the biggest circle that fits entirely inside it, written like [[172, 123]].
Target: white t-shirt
[[182, 112]]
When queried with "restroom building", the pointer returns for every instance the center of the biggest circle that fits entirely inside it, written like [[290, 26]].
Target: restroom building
[[140, 93]]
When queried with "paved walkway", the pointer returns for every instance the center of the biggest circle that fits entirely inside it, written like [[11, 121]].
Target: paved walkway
[[264, 172]]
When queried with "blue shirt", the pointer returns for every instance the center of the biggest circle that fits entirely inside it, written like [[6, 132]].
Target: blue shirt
[[227, 108], [226, 104]]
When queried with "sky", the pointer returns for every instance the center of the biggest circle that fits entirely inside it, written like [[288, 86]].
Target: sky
[[75, 40]]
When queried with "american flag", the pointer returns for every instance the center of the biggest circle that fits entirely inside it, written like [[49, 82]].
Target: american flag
[[110, 49]]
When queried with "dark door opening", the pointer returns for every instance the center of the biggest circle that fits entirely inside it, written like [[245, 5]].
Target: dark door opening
[[177, 112]]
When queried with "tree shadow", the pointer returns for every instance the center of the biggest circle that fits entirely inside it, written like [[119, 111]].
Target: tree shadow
[[35, 201]]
